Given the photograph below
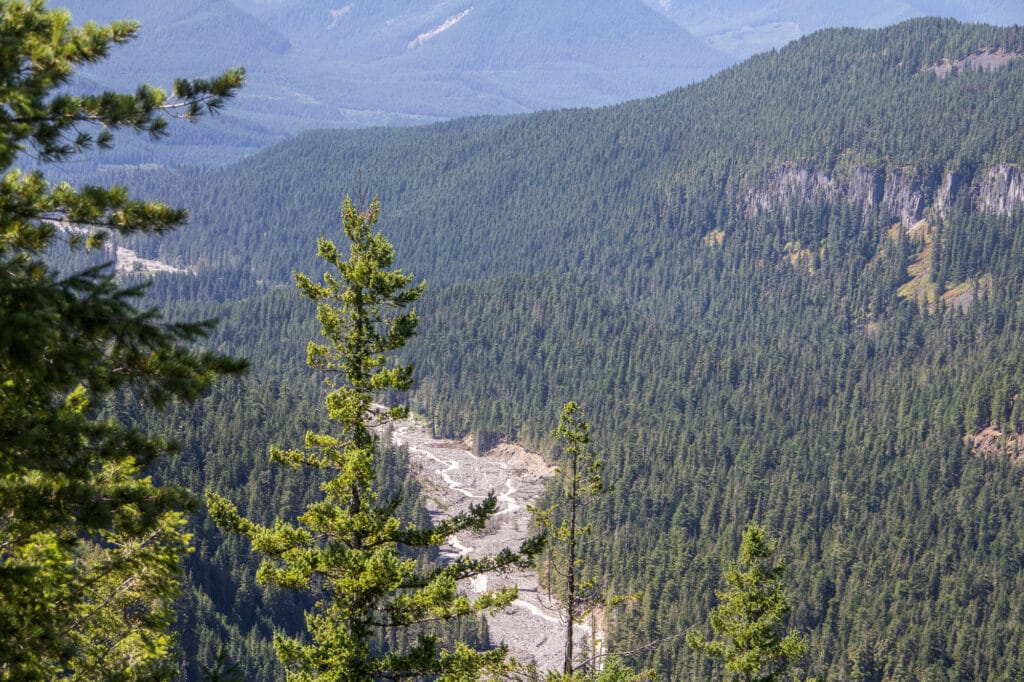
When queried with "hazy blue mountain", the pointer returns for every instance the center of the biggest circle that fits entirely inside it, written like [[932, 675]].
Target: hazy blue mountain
[[319, 63], [354, 63], [744, 27]]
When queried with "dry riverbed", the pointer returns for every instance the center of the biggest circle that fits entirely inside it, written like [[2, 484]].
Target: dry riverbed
[[452, 478], [126, 261]]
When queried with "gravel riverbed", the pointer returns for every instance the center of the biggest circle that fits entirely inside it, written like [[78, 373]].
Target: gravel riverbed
[[452, 478]]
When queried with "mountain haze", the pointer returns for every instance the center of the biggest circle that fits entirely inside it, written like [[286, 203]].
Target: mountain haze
[[327, 63], [742, 27], [318, 64]]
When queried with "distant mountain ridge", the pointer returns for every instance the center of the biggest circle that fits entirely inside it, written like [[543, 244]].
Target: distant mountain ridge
[[744, 27], [317, 63], [793, 148], [357, 63]]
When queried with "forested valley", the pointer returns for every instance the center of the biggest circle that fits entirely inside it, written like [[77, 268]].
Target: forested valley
[[792, 293]]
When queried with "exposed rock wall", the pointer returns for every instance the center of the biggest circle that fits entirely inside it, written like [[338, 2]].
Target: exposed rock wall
[[950, 188], [866, 187], [904, 197], [999, 189], [983, 60], [900, 192], [789, 184]]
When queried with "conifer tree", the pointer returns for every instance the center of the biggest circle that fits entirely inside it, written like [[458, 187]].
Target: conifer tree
[[581, 479], [750, 614], [90, 548], [346, 547]]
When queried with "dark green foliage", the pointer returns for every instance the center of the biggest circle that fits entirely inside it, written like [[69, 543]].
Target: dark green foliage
[[580, 480], [748, 619], [222, 670], [90, 548], [738, 363], [346, 547]]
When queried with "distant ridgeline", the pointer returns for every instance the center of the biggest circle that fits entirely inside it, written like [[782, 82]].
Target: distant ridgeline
[[318, 63], [793, 292]]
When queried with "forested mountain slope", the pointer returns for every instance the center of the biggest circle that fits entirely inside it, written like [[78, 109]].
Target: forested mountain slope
[[786, 293], [475, 197]]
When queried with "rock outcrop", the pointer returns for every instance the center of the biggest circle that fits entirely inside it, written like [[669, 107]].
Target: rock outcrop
[[982, 60], [948, 192], [866, 187], [999, 189], [904, 196], [901, 193], [789, 184], [991, 443]]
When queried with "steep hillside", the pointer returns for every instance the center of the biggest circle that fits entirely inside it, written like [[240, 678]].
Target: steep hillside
[[720, 276], [860, 114]]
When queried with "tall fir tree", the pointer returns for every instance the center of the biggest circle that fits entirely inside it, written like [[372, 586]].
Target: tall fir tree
[[580, 480], [90, 548], [750, 614], [347, 548]]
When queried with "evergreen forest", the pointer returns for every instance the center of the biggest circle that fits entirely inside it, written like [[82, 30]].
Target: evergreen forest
[[792, 293]]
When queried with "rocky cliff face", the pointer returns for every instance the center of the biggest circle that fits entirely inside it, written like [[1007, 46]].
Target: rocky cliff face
[[901, 192], [904, 196], [866, 187], [983, 60], [789, 184], [999, 189], [950, 188]]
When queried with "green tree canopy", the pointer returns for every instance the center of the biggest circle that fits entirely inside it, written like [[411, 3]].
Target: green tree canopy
[[580, 480], [749, 617], [89, 547], [346, 548]]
